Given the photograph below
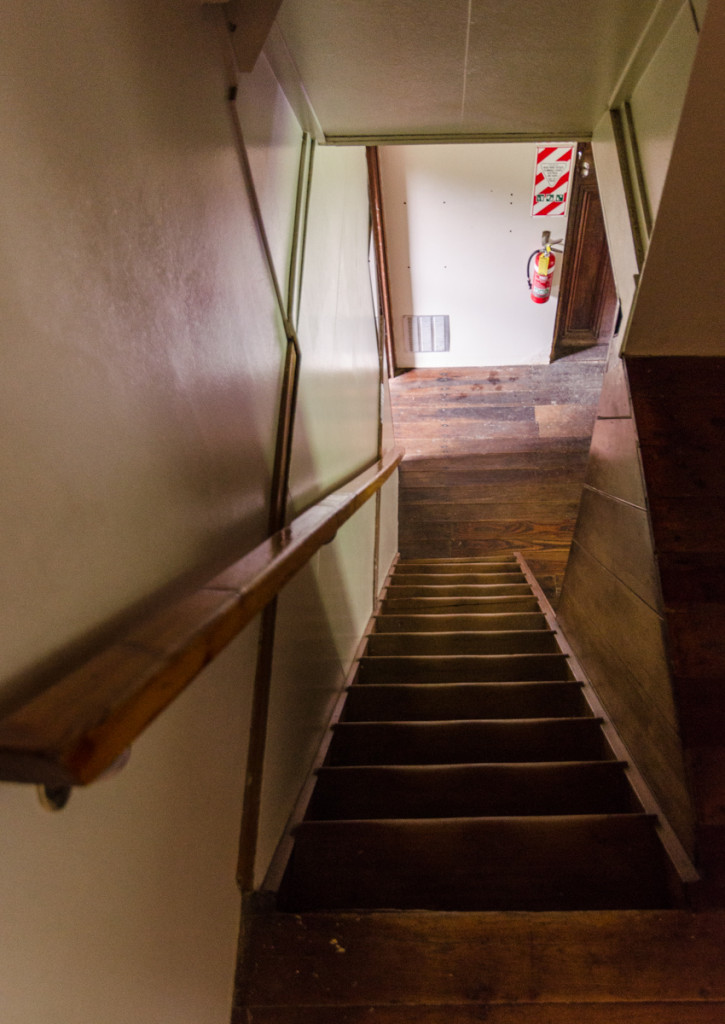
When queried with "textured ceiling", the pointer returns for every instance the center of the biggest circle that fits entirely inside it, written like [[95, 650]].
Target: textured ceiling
[[412, 67]]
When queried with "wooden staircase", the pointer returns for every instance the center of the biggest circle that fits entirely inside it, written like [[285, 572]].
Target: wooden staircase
[[467, 771], [470, 774]]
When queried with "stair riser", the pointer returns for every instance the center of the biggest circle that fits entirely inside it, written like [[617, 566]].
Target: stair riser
[[446, 568], [452, 623], [471, 791], [490, 589], [446, 605], [609, 862], [467, 742], [416, 644], [507, 562], [455, 579], [463, 669], [436, 702]]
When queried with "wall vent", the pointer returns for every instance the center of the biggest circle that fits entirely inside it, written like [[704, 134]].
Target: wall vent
[[427, 333]]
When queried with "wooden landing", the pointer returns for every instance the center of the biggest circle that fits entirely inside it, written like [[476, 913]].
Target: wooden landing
[[495, 459], [592, 967]]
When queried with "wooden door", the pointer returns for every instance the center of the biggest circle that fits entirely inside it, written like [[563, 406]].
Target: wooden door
[[587, 308]]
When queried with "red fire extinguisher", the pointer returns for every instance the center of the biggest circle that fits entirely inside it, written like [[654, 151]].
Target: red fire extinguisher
[[541, 280]]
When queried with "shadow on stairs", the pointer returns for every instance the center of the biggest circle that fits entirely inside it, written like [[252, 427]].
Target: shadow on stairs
[[476, 846]]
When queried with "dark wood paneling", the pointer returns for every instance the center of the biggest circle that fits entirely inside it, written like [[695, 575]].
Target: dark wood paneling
[[495, 459], [693, 576], [678, 404], [672, 522], [617, 535], [620, 641], [702, 721], [614, 399], [676, 470], [614, 466]]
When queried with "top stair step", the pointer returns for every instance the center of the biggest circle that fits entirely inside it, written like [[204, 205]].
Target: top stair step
[[457, 590], [455, 568], [486, 605], [448, 623], [468, 560], [453, 579]]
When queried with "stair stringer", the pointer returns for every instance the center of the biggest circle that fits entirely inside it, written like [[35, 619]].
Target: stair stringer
[[684, 873], [278, 864]]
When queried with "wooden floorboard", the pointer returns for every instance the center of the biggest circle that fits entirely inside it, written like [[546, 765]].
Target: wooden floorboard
[[495, 459], [649, 967], [534, 1013]]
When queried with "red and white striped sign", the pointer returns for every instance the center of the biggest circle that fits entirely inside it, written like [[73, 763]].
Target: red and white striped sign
[[551, 180]]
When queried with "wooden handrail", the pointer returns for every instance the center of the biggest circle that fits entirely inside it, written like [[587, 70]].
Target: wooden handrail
[[76, 728]]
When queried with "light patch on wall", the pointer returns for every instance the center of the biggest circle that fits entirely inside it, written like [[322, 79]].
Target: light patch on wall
[[427, 333], [459, 230]]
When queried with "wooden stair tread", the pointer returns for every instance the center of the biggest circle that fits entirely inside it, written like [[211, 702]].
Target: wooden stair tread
[[506, 863], [437, 701], [467, 741], [475, 790]]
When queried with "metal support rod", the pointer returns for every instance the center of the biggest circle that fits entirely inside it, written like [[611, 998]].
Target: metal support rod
[[277, 512], [381, 254]]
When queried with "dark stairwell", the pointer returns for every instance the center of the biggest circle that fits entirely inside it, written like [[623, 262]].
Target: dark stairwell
[[475, 843], [468, 770]]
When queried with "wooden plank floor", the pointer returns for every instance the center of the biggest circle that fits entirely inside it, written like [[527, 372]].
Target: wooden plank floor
[[495, 459], [600, 967]]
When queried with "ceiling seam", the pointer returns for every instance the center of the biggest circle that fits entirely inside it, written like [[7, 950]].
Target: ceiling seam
[[465, 59]]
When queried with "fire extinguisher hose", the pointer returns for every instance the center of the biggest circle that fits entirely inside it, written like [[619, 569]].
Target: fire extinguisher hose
[[528, 266]]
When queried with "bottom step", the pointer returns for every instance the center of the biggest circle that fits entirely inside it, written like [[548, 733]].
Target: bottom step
[[535, 863], [602, 967]]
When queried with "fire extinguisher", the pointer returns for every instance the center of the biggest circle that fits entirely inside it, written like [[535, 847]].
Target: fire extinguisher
[[540, 282]]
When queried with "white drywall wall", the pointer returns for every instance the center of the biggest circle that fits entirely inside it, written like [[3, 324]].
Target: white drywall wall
[[459, 230], [657, 101], [141, 354], [679, 307]]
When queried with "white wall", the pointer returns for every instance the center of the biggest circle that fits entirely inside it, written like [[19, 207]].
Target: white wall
[[459, 229], [656, 99], [339, 383], [682, 313], [133, 294], [123, 906], [141, 354]]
